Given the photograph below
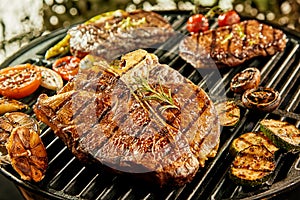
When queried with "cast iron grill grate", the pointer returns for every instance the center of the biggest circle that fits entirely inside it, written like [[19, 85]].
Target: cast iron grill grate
[[67, 178]]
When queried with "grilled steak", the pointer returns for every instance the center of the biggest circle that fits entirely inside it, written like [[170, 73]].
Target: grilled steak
[[135, 115], [119, 34], [232, 45]]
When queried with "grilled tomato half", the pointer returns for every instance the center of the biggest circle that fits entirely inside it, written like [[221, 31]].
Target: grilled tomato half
[[67, 67], [19, 81]]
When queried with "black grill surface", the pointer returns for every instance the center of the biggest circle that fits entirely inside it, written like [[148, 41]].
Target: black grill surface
[[67, 178]]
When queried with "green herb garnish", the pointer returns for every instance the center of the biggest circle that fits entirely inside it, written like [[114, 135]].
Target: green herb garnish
[[240, 33], [128, 22], [158, 95]]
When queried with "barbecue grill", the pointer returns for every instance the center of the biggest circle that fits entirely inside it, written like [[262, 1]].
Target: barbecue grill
[[67, 178]]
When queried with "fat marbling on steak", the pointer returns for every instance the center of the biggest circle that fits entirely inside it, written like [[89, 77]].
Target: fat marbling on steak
[[232, 45], [106, 114], [123, 32]]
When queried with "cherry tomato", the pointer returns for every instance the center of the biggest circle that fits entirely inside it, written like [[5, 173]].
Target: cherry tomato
[[67, 67], [228, 18], [197, 23], [51, 79], [19, 81]]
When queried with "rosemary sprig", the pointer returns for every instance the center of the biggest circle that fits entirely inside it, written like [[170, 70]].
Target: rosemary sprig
[[158, 95]]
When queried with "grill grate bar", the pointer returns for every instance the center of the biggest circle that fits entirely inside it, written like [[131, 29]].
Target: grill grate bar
[[56, 177], [271, 63], [57, 155], [85, 189], [295, 101], [127, 194], [175, 194], [105, 192], [283, 67], [46, 132], [217, 189], [52, 142], [74, 178], [147, 196], [225, 80], [290, 82]]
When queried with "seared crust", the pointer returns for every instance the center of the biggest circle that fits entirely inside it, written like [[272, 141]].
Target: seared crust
[[232, 45], [114, 126], [120, 34]]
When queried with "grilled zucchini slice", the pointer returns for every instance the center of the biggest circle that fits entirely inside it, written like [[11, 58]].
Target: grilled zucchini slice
[[229, 113], [252, 166], [282, 134], [252, 138]]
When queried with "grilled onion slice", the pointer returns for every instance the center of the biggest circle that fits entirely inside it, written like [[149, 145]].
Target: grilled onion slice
[[262, 99], [10, 105], [28, 154], [8, 122]]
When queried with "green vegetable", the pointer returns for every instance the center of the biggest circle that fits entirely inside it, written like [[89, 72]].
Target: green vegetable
[[252, 166], [252, 138], [282, 134], [63, 46]]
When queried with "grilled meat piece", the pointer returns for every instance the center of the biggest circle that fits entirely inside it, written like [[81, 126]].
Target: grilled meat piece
[[120, 34], [232, 45], [139, 117]]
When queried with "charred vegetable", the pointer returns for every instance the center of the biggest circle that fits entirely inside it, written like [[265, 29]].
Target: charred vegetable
[[8, 122], [67, 67], [50, 79], [283, 134], [247, 79], [229, 113], [19, 81], [10, 105], [262, 99], [28, 153], [252, 138], [252, 166]]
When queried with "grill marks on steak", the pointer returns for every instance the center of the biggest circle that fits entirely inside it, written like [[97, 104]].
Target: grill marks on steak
[[232, 45], [117, 127], [119, 34]]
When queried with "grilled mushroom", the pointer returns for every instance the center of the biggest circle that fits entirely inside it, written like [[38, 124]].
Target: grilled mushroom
[[262, 99], [247, 79], [28, 153]]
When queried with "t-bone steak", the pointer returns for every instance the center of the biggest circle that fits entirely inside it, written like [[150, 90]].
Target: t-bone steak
[[135, 115]]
